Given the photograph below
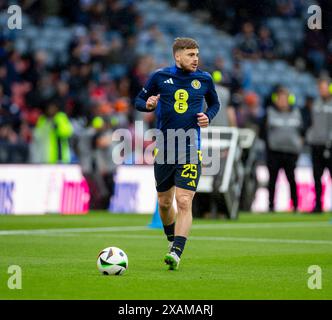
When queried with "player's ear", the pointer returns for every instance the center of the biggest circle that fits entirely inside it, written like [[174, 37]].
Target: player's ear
[[177, 55]]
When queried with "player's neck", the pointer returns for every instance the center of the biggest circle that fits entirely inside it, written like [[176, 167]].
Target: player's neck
[[178, 67]]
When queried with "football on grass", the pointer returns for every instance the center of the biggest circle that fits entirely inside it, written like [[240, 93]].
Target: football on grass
[[112, 261]]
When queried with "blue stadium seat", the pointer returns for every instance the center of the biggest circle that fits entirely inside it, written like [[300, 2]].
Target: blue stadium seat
[[3, 19], [41, 43], [263, 89], [58, 46], [30, 32], [117, 70], [53, 21], [272, 78], [283, 35], [275, 23], [295, 24], [257, 77], [278, 66], [49, 33], [21, 45], [262, 66], [286, 48]]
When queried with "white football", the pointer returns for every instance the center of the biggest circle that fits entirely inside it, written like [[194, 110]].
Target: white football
[[112, 261]]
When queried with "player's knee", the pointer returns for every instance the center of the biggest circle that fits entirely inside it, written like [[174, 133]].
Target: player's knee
[[165, 204], [184, 202]]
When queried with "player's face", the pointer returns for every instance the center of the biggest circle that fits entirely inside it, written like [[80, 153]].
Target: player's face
[[187, 59]]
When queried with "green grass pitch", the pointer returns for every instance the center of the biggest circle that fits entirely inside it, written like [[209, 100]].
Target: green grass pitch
[[264, 256]]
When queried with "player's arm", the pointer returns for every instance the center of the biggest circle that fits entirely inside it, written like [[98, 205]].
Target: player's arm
[[147, 99], [212, 101]]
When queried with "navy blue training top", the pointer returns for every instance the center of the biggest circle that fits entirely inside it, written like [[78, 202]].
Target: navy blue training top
[[181, 98]]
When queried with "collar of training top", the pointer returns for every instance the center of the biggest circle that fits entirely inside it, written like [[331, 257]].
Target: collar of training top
[[176, 69]]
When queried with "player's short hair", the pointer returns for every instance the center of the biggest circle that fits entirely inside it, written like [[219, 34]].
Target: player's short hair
[[184, 43]]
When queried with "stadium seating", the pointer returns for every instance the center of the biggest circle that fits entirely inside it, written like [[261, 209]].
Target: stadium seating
[[265, 74], [55, 38]]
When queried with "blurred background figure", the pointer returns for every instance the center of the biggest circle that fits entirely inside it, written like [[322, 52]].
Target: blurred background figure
[[51, 136], [13, 144], [315, 44], [283, 130], [306, 111], [266, 43], [94, 150], [247, 43], [319, 137], [226, 115], [250, 113]]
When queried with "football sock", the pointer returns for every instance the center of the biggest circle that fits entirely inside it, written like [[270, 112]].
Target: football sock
[[178, 245], [169, 231]]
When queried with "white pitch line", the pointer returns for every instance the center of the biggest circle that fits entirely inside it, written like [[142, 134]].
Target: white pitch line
[[264, 225], [230, 226], [71, 230], [235, 239]]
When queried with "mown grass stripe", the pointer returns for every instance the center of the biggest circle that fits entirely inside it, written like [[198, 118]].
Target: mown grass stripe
[[249, 225]]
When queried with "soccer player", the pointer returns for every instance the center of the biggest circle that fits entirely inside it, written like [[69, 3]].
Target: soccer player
[[177, 94]]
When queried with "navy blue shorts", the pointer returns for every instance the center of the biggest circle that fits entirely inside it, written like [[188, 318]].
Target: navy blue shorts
[[185, 176]]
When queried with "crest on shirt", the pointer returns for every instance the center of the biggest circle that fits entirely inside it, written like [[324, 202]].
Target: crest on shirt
[[195, 84]]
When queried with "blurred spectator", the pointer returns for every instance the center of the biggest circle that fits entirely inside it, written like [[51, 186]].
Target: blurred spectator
[[7, 112], [152, 37], [51, 136], [286, 8], [282, 131], [226, 77], [13, 148], [13, 145], [315, 49], [240, 81], [240, 78], [329, 57], [26, 70], [122, 16], [265, 43], [94, 150], [319, 137], [140, 73], [247, 44], [237, 97], [250, 113], [306, 112], [226, 115], [4, 81], [40, 62]]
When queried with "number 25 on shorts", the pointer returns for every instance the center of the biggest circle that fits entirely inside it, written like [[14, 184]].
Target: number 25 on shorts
[[189, 171]]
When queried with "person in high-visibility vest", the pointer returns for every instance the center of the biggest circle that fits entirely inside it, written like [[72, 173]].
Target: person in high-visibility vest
[[51, 136]]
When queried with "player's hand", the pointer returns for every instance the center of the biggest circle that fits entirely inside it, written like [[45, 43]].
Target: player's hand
[[152, 102], [203, 120]]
